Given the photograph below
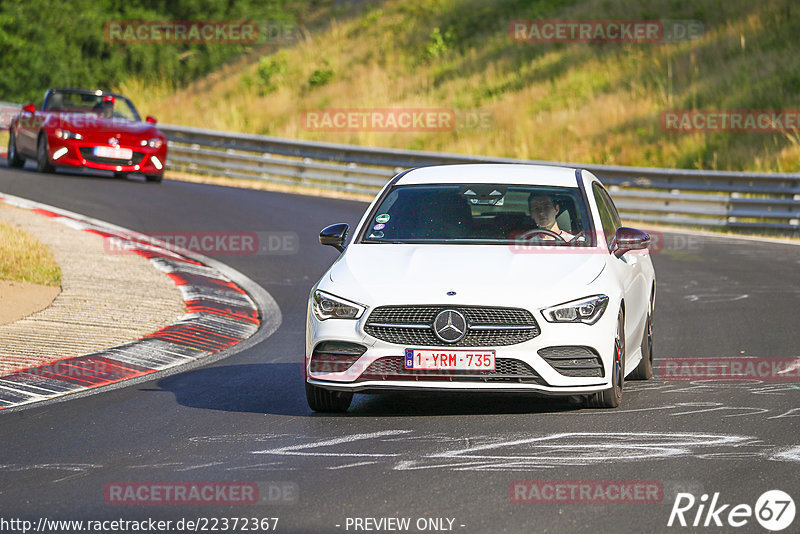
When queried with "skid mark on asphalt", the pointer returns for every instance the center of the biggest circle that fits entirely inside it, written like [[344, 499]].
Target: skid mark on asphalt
[[411, 450], [707, 387], [791, 454], [510, 453], [303, 449]]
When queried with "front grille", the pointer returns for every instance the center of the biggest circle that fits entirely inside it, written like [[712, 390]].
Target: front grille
[[507, 370], [411, 325], [335, 356], [88, 155], [574, 361]]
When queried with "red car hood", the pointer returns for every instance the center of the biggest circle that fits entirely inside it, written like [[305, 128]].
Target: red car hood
[[92, 124]]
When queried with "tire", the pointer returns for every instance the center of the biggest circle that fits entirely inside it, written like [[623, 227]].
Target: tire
[[644, 370], [14, 158], [120, 175], [43, 156], [156, 178], [325, 400], [612, 397]]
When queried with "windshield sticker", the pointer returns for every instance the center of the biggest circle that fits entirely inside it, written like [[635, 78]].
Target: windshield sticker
[[376, 235], [382, 218], [379, 226]]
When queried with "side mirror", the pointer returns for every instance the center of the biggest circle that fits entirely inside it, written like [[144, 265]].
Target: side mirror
[[627, 239], [334, 235], [29, 108], [151, 119]]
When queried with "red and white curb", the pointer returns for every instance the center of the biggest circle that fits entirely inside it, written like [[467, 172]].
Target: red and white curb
[[220, 314]]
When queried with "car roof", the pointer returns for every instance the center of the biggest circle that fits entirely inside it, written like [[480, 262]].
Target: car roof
[[492, 173]]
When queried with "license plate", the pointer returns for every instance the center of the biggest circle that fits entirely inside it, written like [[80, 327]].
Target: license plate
[[450, 360], [113, 152]]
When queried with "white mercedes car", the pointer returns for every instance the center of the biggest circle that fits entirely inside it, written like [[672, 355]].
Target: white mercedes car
[[512, 278]]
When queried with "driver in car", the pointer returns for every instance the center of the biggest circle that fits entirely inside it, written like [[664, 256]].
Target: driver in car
[[106, 107], [544, 210]]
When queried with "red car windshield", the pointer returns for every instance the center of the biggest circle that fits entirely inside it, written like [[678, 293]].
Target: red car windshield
[[89, 102]]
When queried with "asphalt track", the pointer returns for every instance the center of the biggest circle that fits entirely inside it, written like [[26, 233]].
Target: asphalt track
[[245, 418]]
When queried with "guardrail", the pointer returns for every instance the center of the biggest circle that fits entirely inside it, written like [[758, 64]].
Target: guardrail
[[8, 110], [763, 202]]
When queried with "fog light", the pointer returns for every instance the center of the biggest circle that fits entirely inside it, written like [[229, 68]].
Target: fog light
[[156, 163], [60, 152]]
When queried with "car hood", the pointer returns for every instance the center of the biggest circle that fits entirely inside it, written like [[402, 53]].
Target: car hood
[[82, 122], [495, 274]]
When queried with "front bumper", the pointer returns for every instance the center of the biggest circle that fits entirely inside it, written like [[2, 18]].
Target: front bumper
[[543, 377], [79, 153]]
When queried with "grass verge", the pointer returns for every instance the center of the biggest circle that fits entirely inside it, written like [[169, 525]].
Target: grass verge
[[24, 259], [574, 102]]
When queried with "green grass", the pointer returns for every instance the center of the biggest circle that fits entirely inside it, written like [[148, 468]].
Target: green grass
[[586, 103], [24, 259]]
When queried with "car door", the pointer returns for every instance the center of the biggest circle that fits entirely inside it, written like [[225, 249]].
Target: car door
[[26, 133], [628, 270]]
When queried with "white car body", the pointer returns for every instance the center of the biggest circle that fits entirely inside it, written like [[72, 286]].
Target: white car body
[[459, 276]]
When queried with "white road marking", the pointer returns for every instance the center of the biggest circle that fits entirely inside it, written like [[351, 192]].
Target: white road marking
[[297, 450]]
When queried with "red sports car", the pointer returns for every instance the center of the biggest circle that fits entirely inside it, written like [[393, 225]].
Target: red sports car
[[92, 129]]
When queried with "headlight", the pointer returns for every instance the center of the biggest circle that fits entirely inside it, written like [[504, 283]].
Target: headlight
[[155, 142], [66, 134], [327, 306], [587, 310]]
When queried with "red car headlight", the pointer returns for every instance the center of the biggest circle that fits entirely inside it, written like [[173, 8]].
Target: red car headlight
[[155, 142], [66, 134]]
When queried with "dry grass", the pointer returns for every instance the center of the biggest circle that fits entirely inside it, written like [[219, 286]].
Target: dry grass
[[24, 259], [3, 141], [583, 103]]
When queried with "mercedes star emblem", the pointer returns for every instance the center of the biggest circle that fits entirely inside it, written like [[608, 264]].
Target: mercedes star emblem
[[450, 326]]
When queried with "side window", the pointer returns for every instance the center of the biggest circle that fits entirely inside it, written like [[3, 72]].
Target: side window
[[606, 212], [612, 208]]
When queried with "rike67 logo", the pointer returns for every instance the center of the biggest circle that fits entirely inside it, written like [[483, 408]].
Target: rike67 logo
[[774, 510]]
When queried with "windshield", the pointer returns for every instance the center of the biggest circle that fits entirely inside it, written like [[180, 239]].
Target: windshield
[[480, 214], [99, 104]]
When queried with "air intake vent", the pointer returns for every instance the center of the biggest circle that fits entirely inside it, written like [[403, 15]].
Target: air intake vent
[[574, 361]]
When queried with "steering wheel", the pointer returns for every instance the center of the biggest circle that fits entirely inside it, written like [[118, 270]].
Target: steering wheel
[[530, 233]]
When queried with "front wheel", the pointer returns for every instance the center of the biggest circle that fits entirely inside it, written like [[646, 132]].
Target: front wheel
[[325, 400], [612, 397], [154, 178], [14, 158], [43, 156]]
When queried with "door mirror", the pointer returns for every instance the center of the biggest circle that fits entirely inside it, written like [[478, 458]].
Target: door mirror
[[151, 119], [29, 108], [334, 235], [627, 239]]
